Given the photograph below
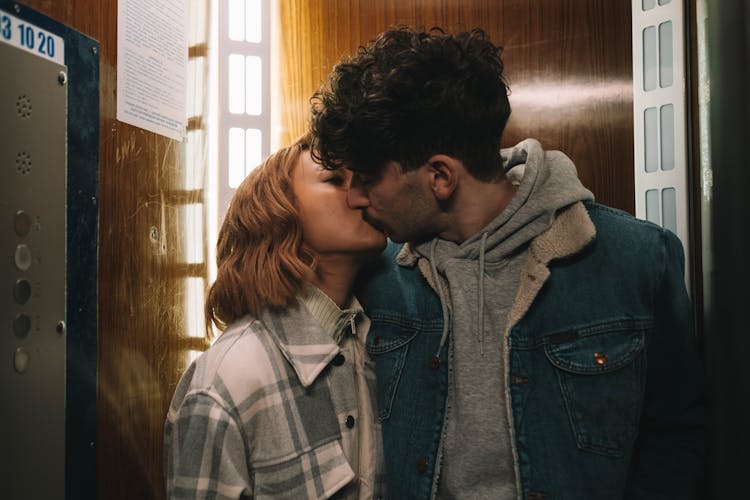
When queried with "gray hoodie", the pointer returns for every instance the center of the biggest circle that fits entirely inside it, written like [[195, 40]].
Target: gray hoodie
[[478, 282]]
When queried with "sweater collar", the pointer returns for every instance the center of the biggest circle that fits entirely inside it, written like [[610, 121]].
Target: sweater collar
[[335, 321]]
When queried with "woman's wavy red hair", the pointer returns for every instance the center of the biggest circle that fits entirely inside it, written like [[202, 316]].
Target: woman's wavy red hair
[[261, 258]]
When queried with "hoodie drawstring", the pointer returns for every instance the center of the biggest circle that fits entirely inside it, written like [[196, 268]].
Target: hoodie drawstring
[[480, 314], [439, 286], [443, 304]]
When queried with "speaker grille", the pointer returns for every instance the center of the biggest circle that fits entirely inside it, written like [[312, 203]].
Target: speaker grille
[[23, 106], [23, 163]]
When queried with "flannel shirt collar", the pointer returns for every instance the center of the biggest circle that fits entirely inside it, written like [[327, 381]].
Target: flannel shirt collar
[[301, 340]]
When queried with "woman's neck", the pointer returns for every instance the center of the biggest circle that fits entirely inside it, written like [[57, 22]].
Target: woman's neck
[[335, 276]]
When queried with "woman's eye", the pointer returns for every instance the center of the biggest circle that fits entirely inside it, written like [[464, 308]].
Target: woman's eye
[[335, 180]]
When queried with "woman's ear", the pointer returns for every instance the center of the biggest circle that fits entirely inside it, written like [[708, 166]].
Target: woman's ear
[[444, 173]]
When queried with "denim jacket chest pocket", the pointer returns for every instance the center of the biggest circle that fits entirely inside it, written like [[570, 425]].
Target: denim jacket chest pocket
[[388, 343], [401, 348], [601, 373]]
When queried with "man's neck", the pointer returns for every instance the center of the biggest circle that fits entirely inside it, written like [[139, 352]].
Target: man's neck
[[476, 204]]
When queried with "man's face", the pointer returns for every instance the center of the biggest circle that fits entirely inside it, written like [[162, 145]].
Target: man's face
[[401, 204]]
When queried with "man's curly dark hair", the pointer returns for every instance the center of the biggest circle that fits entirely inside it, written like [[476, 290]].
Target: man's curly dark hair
[[411, 94]]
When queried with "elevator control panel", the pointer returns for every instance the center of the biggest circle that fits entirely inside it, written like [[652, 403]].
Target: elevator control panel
[[42, 178], [33, 223]]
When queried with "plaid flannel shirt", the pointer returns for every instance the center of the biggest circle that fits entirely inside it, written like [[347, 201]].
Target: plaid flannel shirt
[[270, 411]]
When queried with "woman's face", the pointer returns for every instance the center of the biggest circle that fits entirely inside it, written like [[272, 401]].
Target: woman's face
[[329, 226]]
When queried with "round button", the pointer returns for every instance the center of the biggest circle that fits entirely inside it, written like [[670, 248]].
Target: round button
[[422, 465], [23, 257], [350, 421], [22, 223], [338, 360], [21, 360], [21, 291], [434, 362], [21, 325]]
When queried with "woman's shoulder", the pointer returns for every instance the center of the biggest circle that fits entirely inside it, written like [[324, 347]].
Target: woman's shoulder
[[243, 359]]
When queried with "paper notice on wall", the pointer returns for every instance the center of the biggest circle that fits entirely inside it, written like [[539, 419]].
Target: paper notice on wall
[[152, 57]]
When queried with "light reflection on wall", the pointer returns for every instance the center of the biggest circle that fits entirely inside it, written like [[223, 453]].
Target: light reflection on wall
[[571, 94]]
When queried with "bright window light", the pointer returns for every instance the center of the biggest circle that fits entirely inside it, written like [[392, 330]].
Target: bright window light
[[236, 171], [254, 143], [236, 83], [236, 13], [253, 21], [253, 92]]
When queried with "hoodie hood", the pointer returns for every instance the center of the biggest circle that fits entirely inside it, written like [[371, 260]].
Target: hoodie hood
[[547, 182]]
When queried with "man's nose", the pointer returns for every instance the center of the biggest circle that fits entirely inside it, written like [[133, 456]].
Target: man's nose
[[357, 196]]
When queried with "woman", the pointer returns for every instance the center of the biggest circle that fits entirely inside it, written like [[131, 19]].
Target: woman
[[279, 406]]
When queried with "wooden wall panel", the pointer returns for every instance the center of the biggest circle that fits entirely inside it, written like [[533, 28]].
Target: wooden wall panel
[[569, 65], [142, 346]]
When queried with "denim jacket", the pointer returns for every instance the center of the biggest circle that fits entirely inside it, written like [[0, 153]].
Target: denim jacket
[[602, 371]]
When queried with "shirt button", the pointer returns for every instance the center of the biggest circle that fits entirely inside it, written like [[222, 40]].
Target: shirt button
[[350, 421], [422, 465], [338, 360], [434, 362]]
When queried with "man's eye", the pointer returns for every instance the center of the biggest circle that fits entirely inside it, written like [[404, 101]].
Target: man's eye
[[366, 180]]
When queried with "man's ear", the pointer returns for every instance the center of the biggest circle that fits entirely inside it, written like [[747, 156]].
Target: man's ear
[[445, 172]]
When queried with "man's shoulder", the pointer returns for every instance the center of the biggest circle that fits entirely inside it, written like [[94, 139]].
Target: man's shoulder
[[618, 224], [627, 240]]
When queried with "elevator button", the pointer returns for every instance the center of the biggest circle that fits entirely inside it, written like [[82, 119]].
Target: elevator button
[[23, 257], [21, 325], [22, 291], [22, 223], [21, 360]]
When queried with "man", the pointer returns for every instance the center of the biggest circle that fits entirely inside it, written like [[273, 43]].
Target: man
[[528, 342]]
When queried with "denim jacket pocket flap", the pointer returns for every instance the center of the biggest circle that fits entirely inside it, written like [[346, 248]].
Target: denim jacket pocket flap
[[597, 353], [386, 336]]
